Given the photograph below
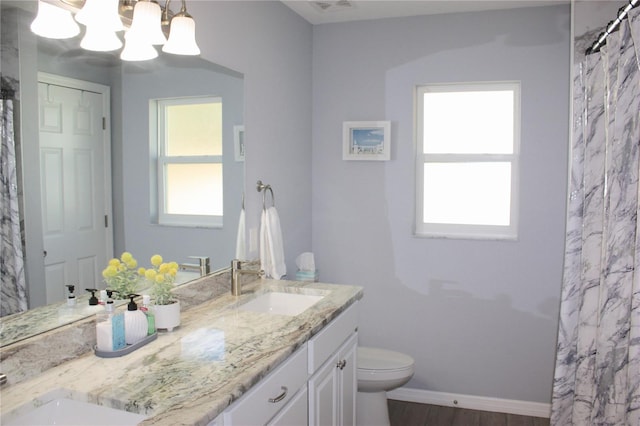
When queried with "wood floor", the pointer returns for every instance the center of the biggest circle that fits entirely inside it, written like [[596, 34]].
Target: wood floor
[[413, 414]]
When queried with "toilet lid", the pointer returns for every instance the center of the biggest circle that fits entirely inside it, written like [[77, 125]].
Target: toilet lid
[[382, 359]]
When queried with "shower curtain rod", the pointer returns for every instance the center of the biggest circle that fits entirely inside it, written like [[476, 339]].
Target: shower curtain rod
[[611, 27]]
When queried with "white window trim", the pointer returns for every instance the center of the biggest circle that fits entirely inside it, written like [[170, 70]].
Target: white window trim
[[463, 231], [158, 139]]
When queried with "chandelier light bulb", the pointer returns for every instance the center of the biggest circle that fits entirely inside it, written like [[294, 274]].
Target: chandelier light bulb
[[100, 40], [146, 24], [54, 22], [136, 49], [101, 13], [182, 36]]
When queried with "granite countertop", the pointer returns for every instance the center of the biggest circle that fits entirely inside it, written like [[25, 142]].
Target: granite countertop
[[189, 376]]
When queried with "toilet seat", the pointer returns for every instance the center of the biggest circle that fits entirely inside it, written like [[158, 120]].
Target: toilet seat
[[379, 371], [383, 360]]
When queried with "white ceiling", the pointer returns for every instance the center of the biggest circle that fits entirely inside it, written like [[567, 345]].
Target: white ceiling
[[328, 11]]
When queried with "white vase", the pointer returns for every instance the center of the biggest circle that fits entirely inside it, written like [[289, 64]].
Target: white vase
[[167, 316]]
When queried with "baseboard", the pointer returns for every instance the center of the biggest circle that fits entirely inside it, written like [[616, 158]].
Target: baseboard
[[525, 408]]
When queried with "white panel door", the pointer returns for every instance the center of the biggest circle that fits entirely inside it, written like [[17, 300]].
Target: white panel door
[[73, 188]]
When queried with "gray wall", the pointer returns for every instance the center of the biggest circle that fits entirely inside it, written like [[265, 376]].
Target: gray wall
[[271, 46], [478, 316]]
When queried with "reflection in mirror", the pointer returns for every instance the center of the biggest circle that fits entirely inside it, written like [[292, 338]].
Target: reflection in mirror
[[131, 206]]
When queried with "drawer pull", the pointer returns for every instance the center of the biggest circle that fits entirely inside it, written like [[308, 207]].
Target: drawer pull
[[281, 396]]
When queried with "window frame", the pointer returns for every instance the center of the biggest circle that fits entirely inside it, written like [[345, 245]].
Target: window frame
[[162, 161], [466, 231]]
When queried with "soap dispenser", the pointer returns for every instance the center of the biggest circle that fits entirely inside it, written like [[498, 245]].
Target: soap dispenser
[[71, 297], [110, 329], [135, 322], [151, 319], [93, 300]]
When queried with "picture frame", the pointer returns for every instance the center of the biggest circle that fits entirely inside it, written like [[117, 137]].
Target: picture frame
[[366, 140], [238, 142]]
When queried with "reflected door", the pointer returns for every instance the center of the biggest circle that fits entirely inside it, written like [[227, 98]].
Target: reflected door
[[73, 186]]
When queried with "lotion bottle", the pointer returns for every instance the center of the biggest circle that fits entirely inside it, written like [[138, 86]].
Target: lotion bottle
[[71, 297], [135, 322], [151, 319], [110, 329]]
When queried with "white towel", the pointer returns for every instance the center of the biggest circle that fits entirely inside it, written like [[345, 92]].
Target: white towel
[[271, 247], [241, 249]]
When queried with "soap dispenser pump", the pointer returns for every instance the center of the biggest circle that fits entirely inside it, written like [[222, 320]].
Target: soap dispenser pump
[[71, 297], [93, 300], [135, 322]]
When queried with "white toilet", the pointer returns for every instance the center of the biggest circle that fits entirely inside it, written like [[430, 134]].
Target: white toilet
[[379, 371]]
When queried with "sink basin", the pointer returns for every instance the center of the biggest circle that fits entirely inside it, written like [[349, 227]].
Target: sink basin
[[66, 411], [280, 303]]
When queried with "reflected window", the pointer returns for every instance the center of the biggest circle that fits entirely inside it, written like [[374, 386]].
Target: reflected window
[[467, 160], [189, 161]]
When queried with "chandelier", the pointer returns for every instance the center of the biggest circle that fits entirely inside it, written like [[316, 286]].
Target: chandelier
[[144, 23]]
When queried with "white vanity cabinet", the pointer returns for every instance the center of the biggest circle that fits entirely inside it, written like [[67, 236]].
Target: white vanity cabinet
[[274, 395], [314, 386]]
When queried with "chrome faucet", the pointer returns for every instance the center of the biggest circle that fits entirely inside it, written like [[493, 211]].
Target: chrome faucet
[[3, 379], [202, 266], [236, 271]]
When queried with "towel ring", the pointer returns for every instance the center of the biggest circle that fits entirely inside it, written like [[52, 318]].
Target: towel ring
[[261, 187]]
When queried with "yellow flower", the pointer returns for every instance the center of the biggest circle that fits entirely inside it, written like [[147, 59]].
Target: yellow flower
[[132, 264], [109, 271], [174, 265], [159, 278], [150, 274], [126, 257], [141, 272], [173, 272], [164, 268], [156, 260], [114, 262]]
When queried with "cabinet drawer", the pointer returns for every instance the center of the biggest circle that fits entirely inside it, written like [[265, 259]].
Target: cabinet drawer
[[296, 413], [325, 343], [267, 397]]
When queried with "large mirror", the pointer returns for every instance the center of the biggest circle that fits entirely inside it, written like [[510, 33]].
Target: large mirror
[[131, 174]]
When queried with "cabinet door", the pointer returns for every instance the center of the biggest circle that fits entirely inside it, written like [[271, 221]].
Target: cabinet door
[[323, 394], [295, 413], [348, 381], [332, 390]]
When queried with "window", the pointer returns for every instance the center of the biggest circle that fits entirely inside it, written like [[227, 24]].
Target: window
[[189, 161], [467, 160]]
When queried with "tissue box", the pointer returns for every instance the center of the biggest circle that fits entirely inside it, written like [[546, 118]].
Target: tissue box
[[307, 275]]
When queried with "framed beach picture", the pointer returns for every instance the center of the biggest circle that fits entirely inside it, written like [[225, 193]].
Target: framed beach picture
[[238, 142], [366, 140]]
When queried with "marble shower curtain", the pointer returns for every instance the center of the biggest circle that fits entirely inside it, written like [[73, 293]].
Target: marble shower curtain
[[597, 376], [13, 287]]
